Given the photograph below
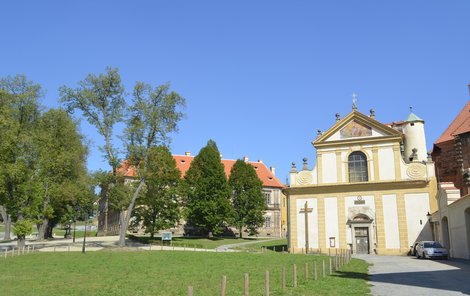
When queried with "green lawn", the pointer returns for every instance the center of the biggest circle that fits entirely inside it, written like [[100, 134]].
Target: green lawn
[[194, 242], [169, 273]]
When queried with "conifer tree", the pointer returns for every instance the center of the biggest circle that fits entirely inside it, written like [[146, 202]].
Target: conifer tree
[[247, 201], [207, 191], [159, 207]]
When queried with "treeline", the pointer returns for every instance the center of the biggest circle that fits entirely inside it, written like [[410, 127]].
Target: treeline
[[44, 180], [204, 197]]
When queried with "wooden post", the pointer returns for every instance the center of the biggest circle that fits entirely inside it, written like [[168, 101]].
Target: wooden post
[[68, 248], [295, 276], [323, 267], [223, 285], [6, 253], [246, 287], [33, 248], [315, 270], [190, 291], [54, 248], [329, 261], [267, 283], [150, 247], [283, 281], [306, 271]]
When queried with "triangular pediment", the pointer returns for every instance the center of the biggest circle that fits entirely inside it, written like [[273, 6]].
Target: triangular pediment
[[356, 126]]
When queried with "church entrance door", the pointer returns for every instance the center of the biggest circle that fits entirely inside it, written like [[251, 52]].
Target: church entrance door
[[362, 240]]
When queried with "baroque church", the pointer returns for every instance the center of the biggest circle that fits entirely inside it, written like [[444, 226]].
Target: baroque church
[[372, 189]]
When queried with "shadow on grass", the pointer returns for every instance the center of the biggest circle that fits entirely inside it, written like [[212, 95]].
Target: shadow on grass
[[352, 275], [277, 248]]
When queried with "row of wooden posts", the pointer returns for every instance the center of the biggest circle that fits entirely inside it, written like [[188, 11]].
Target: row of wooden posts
[[335, 263], [19, 251]]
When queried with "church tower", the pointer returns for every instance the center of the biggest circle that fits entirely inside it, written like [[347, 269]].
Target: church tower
[[415, 140]]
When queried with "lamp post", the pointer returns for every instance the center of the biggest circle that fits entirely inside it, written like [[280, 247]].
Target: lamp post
[[84, 235], [74, 226]]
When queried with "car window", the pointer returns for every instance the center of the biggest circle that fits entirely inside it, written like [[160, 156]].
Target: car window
[[436, 245]]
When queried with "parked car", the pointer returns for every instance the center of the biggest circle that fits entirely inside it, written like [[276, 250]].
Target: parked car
[[431, 249]]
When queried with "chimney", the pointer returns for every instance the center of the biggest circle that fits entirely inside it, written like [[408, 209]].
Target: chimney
[[273, 170], [187, 153], [245, 158], [260, 161]]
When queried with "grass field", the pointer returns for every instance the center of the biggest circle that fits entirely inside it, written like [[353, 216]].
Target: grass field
[[169, 273]]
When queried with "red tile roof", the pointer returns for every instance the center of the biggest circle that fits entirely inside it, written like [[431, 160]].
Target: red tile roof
[[183, 162], [460, 125]]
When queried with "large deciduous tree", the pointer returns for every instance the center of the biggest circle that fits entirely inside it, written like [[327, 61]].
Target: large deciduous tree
[[101, 101], [247, 200], [61, 175], [153, 115], [207, 191], [159, 206], [19, 114]]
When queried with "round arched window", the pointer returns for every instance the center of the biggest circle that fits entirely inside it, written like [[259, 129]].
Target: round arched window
[[357, 167]]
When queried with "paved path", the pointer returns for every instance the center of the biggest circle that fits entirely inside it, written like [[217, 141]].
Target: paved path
[[229, 248], [110, 242], [401, 275]]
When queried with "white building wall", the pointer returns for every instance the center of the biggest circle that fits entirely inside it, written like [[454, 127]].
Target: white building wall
[[386, 164], [312, 223], [417, 207], [331, 220], [329, 168], [458, 229], [392, 234]]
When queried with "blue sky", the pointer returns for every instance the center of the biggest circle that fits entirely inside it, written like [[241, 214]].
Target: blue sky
[[259, 77]]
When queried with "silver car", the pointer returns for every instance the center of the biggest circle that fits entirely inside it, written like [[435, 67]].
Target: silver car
[[431, 249]]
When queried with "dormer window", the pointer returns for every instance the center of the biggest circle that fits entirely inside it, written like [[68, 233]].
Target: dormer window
[[357, 167]]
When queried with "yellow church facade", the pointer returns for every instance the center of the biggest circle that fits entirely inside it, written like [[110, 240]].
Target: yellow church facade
[[371, 190]]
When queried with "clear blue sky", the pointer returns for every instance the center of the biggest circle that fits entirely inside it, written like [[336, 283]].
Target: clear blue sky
[[260, 77]]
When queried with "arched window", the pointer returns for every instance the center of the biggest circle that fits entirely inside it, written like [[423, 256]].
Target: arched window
[[357, 167]]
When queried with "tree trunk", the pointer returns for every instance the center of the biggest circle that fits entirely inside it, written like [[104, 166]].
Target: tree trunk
[[42, 228], [241, 232], [49, 229], [124, 218], [21, 242], [7, 221], [122, 229]]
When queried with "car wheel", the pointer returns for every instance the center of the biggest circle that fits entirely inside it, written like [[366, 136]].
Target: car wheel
[[417, 255], [446, 257], [424, 255]]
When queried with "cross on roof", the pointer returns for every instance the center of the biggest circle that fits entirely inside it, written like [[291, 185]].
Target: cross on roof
[[354, 106]]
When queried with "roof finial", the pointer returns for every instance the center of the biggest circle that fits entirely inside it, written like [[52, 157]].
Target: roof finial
[[354, 105], [411, 109]]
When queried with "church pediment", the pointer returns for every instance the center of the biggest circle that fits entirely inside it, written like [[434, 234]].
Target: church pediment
[[356, 126]]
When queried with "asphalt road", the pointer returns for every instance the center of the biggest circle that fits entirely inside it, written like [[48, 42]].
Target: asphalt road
[[400, 275]]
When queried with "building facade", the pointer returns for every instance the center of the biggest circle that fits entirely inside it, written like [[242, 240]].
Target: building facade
[[370, 191], [451, 153]]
